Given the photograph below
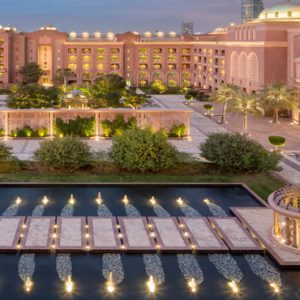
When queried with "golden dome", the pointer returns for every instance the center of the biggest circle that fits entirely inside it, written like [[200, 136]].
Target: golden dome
[[282, 12]]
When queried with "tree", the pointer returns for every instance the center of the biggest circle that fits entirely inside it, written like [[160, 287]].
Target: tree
[[244, 104], [224, 94], [34, 96], [31, 73], [158, 87], [62, 75], [278, 96], [134, 100]]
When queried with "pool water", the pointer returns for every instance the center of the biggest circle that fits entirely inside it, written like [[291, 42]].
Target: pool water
[[87, 268]]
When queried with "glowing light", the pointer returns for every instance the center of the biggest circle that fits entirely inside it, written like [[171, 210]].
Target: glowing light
[[54, 235], [28, 285], [18, 201], [45, 200], [87, 236], [180, 201], [125, 200], [72, 200], [275, 287], [151, 285], [233, 285], [206, 201], [99, 199], [110, 286], [152, 234], [192, 285], [153, 201], [69, 285]]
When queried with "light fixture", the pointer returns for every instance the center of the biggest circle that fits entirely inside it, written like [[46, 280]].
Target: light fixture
[[72, 200], [234, 287], [125, 200], [180, 201], [275, 287], [110, 284], [206, 201], [45, 200], [99, 199], [153, 201], [69, 285], [28, 284], [192, 285], [151, 285], [18, 200]]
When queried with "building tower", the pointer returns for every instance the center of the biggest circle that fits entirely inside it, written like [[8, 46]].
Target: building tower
[[251, 9], [187, 28]]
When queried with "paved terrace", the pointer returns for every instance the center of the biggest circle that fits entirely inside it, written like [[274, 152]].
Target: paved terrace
[[148, 234]]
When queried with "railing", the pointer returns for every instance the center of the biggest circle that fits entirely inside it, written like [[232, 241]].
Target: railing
[[12, 119]]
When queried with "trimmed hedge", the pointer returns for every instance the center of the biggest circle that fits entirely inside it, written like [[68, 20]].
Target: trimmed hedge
[[117, 126], [81, 127], [237, 153]]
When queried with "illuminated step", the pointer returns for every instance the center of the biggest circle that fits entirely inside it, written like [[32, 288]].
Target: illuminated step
[[202, 235], [135, 234], [10, 231], [103, 234], [38, 233], [168, 234], [71, 233], [235, 235]]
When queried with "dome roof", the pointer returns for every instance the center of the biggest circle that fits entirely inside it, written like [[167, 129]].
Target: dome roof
[[283, 11], [287, 198]]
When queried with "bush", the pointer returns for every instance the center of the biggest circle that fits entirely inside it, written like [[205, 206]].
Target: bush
[[117, 126], [27, 131], [143, 151], [177, 130], [237, 153], [82, 127], [68, 153], [188, 97], [5, 152]]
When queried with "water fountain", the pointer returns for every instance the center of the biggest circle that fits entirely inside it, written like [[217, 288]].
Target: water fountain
[[12, 210]]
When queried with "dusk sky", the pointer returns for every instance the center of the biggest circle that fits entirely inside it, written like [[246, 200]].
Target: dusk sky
[[120, 15]]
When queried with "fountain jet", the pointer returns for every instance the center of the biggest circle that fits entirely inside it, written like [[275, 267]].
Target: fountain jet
[[275, 287], [234, 287], [110, 286], [192, 285], [72, 200], [28, 285], [125, 200], [153, 201], [69, 285], [18, 200], [180, 201], [99, 199], [45, 200]]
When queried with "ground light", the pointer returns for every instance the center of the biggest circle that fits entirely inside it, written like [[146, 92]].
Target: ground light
[[99, 199], [192, 285], [28, 285], [45, 200], [275, 287], [110, 286], [234, 287], [18, 200], [72, 200], [206, 201], [69, 285], [151, 285]]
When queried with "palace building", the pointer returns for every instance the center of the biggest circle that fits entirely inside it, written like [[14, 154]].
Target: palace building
[[251, 54]]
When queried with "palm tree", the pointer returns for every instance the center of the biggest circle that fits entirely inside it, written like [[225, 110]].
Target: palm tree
[[244, 104], [279, 96], [223, 95], [62, 76]]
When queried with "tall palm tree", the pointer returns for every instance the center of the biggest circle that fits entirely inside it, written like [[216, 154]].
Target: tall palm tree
[[278, 96], [223, 95], [244, 104]]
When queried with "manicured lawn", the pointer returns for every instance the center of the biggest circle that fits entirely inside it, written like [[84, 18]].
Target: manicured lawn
[[261, 184]]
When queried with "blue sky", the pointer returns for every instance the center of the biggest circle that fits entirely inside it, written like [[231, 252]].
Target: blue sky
[[119, 15]]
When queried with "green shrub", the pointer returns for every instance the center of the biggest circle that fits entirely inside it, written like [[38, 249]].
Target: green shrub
[[188, 97], [2, 132], [12, 166], [27, 131], [41, 132], [5, 152], [69, 153], [143, 151], [237, 153], [81, 127], [117, 126], [177, 130]]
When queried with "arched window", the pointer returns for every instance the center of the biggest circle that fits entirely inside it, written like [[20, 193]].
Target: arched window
[[243, 67], [253, 70], [234, 66]]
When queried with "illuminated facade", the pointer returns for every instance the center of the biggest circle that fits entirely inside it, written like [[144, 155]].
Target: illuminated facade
[[250, 55]]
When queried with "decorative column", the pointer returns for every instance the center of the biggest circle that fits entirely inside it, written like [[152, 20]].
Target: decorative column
[[296, 242], [276, 223], [6, 124], [51, 124], [188, 124], [96, 125]]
